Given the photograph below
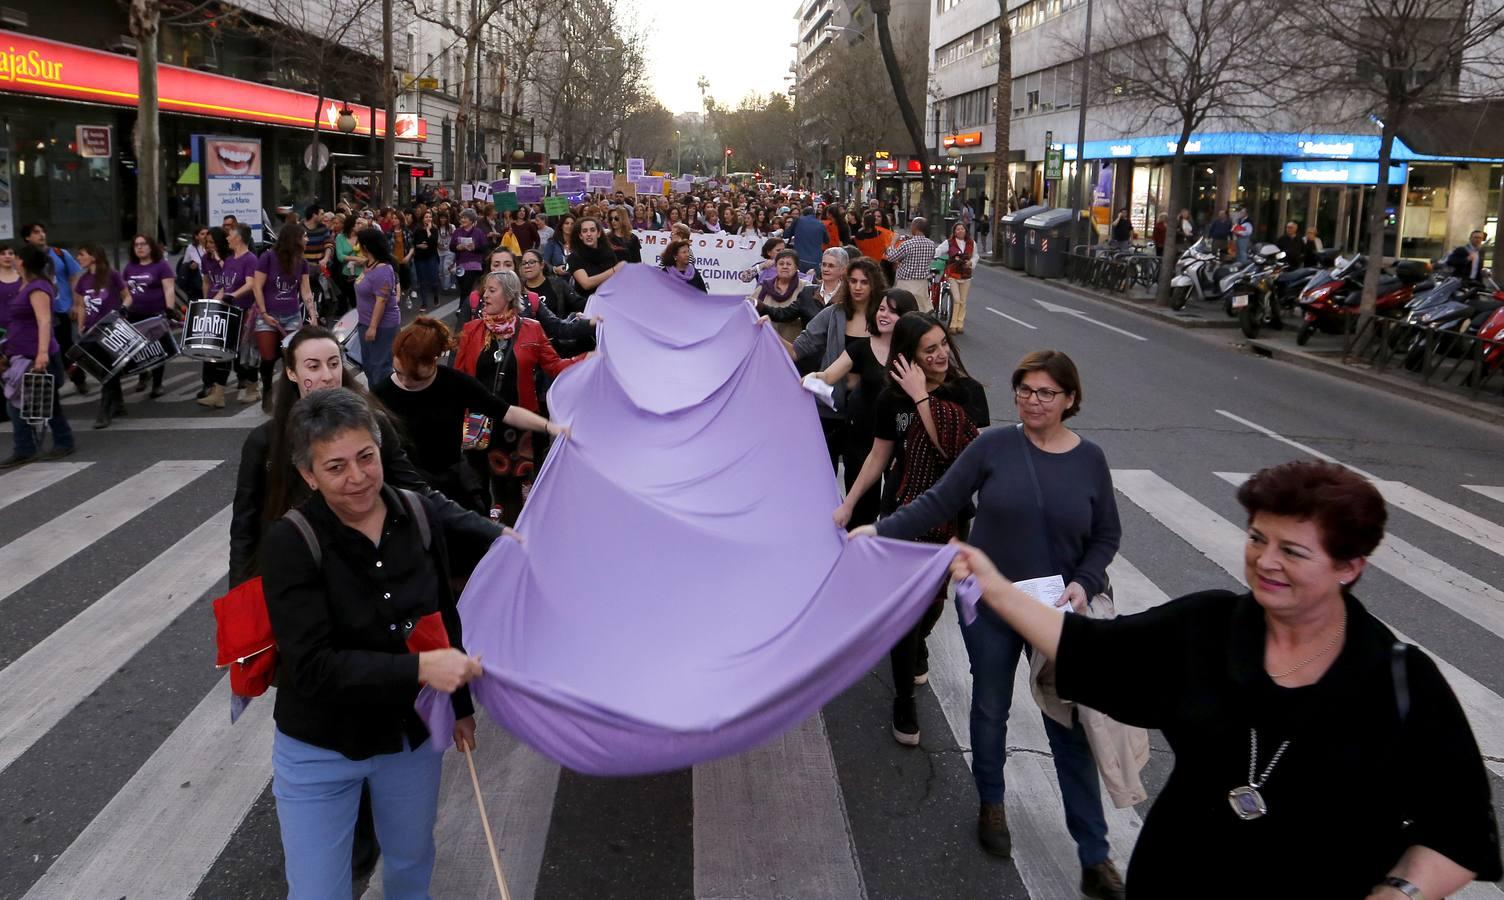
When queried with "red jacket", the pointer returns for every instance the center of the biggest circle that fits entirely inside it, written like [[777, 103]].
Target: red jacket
[[533, 351]]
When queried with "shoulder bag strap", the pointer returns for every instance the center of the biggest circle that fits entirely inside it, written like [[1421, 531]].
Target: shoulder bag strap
[[1399, 671], [416, 509], [300, 522]]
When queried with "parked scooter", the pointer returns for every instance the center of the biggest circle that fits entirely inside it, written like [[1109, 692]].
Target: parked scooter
[[1198, 274], [1328, 304], [1466, 312], [1253, 293]]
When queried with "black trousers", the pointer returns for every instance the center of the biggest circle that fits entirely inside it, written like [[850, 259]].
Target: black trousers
[[910, 652], [849, 447]]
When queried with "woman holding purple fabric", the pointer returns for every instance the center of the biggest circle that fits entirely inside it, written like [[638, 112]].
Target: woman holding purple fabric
[[678, 260]]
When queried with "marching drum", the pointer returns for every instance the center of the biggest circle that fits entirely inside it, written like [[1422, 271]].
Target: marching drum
[[107, 347], [347, 332], [161, 345], [212, 330]]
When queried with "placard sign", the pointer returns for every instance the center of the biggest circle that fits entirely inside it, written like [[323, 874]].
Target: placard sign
[[719, 258], [561, 170], [650, 184], [529, 193], [635, 168], [528, 178], [500, 187], [572, 183], [482, 192], [556, 206], [93, 141], [601, 181], [506, 202], [684, 185]]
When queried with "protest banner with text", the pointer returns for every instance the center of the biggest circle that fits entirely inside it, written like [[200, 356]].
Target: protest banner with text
[[719, 258]]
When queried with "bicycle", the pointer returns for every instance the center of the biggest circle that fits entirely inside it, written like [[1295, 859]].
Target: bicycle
[[940, 296]]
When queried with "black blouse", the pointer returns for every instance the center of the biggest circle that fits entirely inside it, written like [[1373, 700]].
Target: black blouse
[[346, 680], [1353, 790]]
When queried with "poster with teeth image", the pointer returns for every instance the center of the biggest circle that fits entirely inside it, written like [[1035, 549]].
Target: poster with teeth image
[[232, 180]]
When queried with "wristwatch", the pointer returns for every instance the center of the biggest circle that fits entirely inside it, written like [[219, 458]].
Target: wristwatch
[[1404, 887]]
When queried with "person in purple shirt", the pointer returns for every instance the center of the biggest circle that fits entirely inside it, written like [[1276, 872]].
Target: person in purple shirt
[[469, 243], [229, 274], [376, 306], [10, 281], [153, 289], [30, 336], [281, 279], [100, 290]]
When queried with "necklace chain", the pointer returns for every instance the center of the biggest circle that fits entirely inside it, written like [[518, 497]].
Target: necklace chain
[[1319, 654], [1253, 758]]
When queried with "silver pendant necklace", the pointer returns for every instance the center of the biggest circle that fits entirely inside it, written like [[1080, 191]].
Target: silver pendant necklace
[[1246, 801]]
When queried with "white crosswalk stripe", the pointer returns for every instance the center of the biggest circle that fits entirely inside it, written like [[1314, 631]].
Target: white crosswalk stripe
[[768, 823], [50, 679], [1491, 491], [25, 559], [1222, 542]]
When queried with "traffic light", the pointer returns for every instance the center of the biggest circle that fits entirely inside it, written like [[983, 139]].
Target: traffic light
[[728, 152]]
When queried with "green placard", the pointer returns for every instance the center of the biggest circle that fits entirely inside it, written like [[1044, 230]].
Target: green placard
[[556, 206], [506, 202], [1054, 164]]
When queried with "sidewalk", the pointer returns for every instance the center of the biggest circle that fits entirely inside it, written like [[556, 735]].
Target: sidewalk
[[1322, 354]]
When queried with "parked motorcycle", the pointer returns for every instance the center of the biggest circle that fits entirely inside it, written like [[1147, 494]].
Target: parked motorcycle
[[1329, 303], [1466, 312], [1199, 274], [1253, 293]]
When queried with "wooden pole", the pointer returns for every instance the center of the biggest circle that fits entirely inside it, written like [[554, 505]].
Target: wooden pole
[[501, 881]]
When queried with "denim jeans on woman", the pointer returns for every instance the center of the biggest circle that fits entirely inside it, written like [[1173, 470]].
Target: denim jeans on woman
[[24, 435], [994, 649], [376, 356], [318, 793]]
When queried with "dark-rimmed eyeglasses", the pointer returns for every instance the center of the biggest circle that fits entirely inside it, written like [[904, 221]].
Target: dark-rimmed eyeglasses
[[1044, 395]]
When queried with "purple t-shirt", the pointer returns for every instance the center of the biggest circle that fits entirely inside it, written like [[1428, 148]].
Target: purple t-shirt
[[282, 291], [21, 333], [100, 295], [377, 280], [8, 291], [145, 283], [233, 274], [469, 260]]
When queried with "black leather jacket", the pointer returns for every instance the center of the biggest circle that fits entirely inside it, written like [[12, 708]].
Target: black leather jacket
[[470, 533]]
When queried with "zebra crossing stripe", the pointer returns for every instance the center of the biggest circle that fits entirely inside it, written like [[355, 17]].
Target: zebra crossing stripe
[[1221, 542], [161, 833], [1466, 525], [1493, 492], [771, 822], [32, 555], [27, 480], [50, 679], [1447, 585]]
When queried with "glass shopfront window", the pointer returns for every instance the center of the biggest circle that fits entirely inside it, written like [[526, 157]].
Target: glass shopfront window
[[1426, 204], [74, 196]]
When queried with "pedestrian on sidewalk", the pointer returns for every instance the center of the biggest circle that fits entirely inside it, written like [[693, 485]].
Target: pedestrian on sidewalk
[[1363, 775], [1042, 480], [1242, 234], [347, 678], [911, 258]]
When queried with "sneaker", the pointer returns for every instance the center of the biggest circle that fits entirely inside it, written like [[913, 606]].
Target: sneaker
[[10, 462], [992, 831], [1103, 882], [905, 721]]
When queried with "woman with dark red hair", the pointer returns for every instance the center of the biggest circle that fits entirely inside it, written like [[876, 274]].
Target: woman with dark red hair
[[431, 402], [1315, 754]]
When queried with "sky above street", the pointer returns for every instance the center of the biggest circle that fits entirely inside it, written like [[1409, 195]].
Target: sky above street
[[740, 46]]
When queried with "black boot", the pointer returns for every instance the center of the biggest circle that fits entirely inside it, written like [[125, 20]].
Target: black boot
[[102, 420], [992, 830]]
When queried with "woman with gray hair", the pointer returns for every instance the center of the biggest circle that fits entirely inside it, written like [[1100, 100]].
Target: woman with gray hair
[[363, 613], [505, 352]]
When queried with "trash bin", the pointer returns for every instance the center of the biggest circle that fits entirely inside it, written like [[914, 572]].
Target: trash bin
[[1010, 230], [1046, 243]]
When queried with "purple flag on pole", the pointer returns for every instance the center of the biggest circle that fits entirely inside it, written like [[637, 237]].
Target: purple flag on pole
[[681, 593]]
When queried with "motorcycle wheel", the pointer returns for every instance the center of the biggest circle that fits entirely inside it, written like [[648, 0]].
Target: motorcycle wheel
[[1227, 307], [1415, 358], [1276, 323], [1178, 297], [1251, 319], [1303, 336]]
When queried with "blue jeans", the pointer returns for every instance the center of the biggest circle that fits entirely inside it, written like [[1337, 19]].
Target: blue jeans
[[428, 281], [318, 793], [994, 649], [24, 436], [376, 356]]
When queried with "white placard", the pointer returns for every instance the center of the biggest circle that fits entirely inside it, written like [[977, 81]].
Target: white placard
[[719, 258]]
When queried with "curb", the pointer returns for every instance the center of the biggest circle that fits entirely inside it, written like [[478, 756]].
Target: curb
[[1432, 397], [1157, 313]]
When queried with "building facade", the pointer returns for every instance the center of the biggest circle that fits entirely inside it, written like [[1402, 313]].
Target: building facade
[[1299, 170]]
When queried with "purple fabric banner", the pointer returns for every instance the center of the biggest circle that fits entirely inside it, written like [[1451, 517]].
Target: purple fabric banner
[[680, 593]]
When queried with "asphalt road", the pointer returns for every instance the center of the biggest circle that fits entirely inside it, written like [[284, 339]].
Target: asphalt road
[[119, 776]]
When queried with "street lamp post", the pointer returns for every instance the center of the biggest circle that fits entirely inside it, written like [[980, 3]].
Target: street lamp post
[[679, 153], [1080, 198]]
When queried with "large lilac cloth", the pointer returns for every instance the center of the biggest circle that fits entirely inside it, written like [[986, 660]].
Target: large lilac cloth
[[681, 593]]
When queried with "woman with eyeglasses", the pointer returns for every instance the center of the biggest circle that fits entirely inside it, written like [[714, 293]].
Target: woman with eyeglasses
[[1045, 507], [623, 241], [153, 292]]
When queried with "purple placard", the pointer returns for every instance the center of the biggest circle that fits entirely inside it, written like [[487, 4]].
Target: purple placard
[[650, 184], [684, 185], [602, 180], [529, 193], [500, 187], [561, 170], [573, 183]]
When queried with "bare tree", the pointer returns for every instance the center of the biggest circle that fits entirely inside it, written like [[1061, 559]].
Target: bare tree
[[469, 25], [1179, 64], [145, 26], [848, 102], [527, 35], [880, 10], [1386, 60], [590, 86], [1003, 122]]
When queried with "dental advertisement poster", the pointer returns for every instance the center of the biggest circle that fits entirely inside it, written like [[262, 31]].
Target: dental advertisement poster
[[232, 180]]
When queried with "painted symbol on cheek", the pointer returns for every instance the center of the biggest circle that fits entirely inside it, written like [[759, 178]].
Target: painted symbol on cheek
[[308, 385]]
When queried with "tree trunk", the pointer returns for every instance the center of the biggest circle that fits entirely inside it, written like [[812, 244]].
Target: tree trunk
[[880, 9], [462, 118], [389, 87], [1003, 124], [1172, 227], [1376, 215], [145, 19]]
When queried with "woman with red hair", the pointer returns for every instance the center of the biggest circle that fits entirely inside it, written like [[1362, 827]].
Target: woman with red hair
[[431, 402], [505, 352]]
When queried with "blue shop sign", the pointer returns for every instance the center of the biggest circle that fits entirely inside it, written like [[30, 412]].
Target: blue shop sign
[[1286, 144], [1337, 171]]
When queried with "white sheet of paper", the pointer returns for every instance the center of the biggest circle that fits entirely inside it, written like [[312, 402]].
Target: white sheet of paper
[[1046, 590], [826, 394]]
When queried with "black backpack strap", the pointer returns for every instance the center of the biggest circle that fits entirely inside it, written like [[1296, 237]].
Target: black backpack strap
[[1399, 670], [306, 530], [416, 509]]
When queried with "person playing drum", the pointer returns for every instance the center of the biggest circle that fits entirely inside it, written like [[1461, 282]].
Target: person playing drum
[[233, 281]]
